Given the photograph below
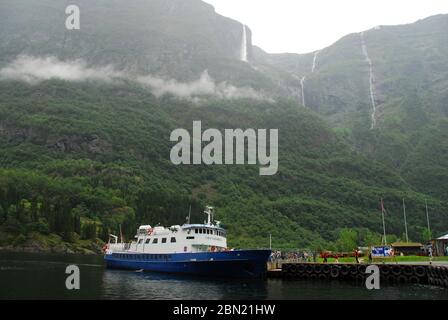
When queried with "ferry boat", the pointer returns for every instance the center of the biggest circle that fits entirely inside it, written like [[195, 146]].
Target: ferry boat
[[196, 249]]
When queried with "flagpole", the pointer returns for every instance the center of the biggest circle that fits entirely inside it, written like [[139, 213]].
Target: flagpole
[[384, 224], [189, 214], [270, 241], [427, 218], [405, 222]]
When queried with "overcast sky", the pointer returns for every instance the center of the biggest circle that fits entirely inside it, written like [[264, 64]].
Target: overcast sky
[[306, 25]]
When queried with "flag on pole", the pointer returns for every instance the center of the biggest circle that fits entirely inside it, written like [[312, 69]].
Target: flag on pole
[[382, 206], [384, 223]]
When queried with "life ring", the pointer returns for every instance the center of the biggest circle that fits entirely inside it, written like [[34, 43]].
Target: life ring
[[105, 247]]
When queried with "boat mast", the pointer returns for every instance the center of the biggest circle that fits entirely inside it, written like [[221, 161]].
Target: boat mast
[[209, 212], [405, 222], [189, 214], [427, 219], [384, 224]]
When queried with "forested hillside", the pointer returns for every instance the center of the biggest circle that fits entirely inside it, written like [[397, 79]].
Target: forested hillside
[[86, 118]]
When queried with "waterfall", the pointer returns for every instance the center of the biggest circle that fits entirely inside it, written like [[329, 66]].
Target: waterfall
[[244, 45], [371, 80], [314, 61], [302, 80], [302, 85]]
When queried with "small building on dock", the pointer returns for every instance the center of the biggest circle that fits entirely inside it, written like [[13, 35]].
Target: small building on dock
[[408, 248], [440, 245]]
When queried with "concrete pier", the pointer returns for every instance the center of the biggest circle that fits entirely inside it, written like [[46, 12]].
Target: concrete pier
[[436, 275]]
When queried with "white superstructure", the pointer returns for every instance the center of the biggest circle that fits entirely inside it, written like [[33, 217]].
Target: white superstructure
[[207, 237]]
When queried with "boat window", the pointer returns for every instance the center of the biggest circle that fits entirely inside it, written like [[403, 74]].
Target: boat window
[[147, 240], [155, 240], [140, 241], [163, 240], [195, 230], [190, 238], [173, 239]]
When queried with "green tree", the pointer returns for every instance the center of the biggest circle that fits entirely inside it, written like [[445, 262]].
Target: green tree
[[347, 240], [426, 234]]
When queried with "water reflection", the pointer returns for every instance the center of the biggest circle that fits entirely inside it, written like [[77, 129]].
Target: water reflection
[[36, 276], [141, 285]]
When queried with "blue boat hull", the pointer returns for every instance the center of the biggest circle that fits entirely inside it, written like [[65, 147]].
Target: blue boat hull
[[233, 264]]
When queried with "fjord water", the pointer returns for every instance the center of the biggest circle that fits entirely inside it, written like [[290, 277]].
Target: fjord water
[[42, 276]]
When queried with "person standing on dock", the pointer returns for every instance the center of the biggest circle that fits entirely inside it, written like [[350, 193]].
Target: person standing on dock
[[430, 254], [356, 253]]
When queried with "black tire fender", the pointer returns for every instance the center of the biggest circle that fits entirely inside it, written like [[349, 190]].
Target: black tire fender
[[334, 273]]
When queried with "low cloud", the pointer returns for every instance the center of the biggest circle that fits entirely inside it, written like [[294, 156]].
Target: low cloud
[[204, 86], [34, 70]]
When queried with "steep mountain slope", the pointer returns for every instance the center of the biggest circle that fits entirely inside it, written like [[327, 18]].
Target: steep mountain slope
[[105, 156], [175, 39], [85, 133], [404, 69], [406, 60]]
